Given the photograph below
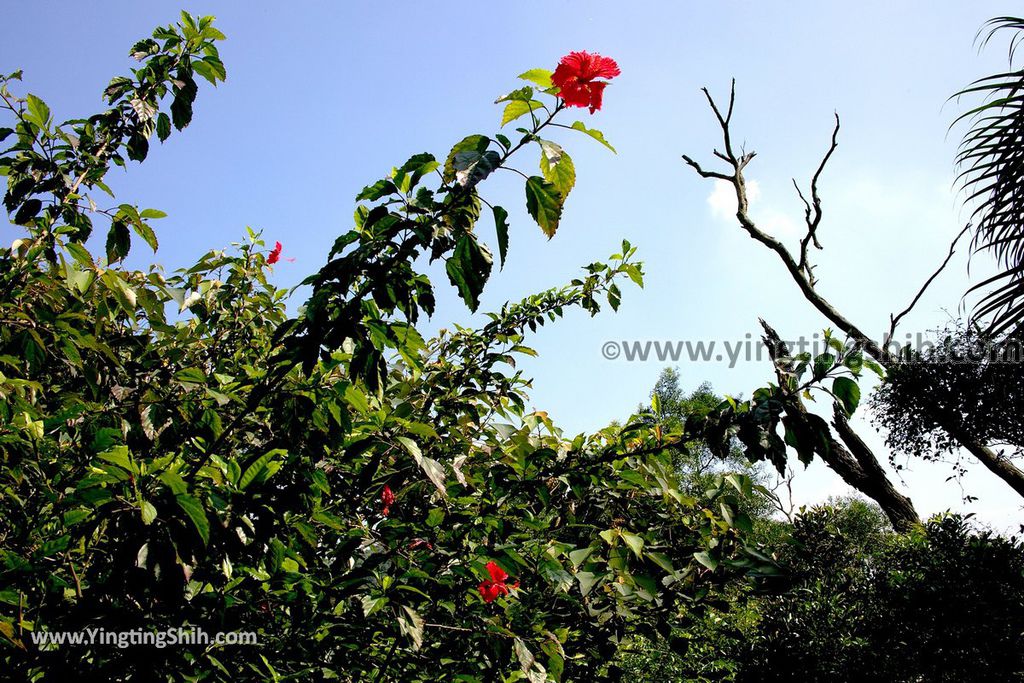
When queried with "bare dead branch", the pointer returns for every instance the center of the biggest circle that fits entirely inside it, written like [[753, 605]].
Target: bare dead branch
[[894, 320], [706, 174], [801, 275]]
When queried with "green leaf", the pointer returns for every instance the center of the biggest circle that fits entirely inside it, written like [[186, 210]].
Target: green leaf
[[587, 581], [523, 94], [381, 188], [874, 367], [38, 113], [258, 466], [191, 376], [578, 556], [501, 226], [594, 133], [471, 167], [848, 392], [472, 143], [432, 468], [544, 204], [518, 108], [539, 77], [119, 241], [412, 625], [163, 126], [557, 168], [707, 560], [195, 511], [124, 294], [662, 561], [635, 542], [174, 482], [120, 456], [80, 254], [435, 517], [143, 230], [822, 364], [28, 211], [469, 268], [148, 512]]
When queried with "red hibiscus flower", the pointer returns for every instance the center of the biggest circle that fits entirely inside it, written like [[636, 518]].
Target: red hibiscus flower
[[575, 78], [387, 498], [275, 255], [490, 590]]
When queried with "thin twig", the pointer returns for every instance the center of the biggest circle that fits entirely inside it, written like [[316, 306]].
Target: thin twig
[[894, 320]]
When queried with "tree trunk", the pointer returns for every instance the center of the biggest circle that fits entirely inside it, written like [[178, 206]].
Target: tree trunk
[[848, 456]]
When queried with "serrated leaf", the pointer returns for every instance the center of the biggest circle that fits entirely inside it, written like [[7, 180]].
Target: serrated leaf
[[469, 268], [544, 204], [592, 132], [501, 227], [143, 230], [848, 392], [539, 77], [471, 143], [163, 126], [557, 168], [38, 113], [518, 108], [119, 241]]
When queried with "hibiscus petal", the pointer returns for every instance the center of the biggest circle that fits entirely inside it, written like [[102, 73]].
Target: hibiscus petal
[[575, 94], [596, 92], [488, 591], [498, 575], [604, 67], [574, 62]]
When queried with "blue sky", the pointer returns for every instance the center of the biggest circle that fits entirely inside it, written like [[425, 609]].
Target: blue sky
[[325, 97]]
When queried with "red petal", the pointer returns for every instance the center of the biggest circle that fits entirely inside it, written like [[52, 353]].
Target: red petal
[[604, 67], [275, 254], [586, 66], [488, 591], [573, 64], [498, 575], [575, 94], [596, 91]]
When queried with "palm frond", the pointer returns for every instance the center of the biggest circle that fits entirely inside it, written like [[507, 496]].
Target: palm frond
[[991, 171]]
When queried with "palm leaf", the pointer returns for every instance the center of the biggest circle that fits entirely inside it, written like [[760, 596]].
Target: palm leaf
[[990, 161]]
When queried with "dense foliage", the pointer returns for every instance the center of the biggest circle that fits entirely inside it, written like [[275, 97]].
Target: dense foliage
[[965, 377], [858, 602], [179, 454]]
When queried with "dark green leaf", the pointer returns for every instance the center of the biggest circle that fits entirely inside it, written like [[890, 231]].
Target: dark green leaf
[[544, 203], [501, 225]]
